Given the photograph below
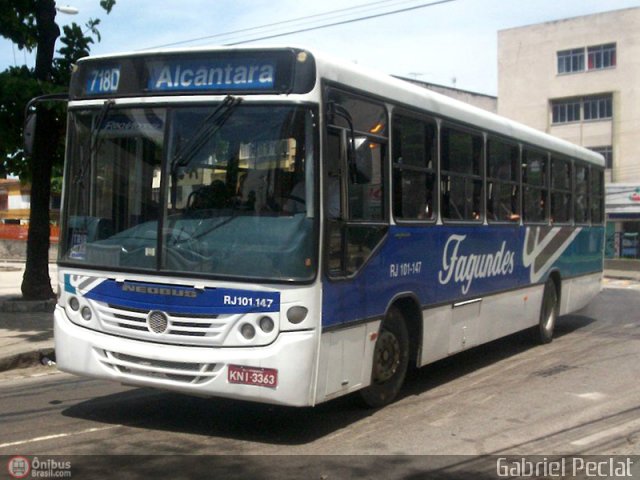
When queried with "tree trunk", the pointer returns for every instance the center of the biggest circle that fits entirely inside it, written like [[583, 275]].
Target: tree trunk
[[36, 283]]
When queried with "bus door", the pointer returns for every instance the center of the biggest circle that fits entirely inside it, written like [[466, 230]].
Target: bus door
[[355, 203]]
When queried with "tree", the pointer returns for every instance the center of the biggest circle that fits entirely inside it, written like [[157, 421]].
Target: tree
[[30, 24]]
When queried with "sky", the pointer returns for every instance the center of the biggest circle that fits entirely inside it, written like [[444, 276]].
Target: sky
[[452, 43]]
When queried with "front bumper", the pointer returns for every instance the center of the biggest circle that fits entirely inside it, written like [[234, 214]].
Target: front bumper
[[201, 371]]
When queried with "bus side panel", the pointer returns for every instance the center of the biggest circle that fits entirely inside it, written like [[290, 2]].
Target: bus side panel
[[441, 264], [509, 312], [502, 268], [578, 292], [345, 360], [435, 334], [493, 317]]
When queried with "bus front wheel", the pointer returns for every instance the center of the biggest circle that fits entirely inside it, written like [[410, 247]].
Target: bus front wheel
[[543, 333], [390, 360]]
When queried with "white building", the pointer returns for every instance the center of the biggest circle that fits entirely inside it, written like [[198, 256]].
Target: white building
[[577, 79]]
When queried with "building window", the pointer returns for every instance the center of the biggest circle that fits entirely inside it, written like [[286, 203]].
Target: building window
[[596, 108], [571, 60], [607, 153], [565, 111], [601, 56], [598, 57]]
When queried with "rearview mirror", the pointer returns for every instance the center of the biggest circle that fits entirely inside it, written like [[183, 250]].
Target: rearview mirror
[[28, 133]]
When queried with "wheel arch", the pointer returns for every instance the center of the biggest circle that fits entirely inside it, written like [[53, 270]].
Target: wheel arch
[[409, 306]]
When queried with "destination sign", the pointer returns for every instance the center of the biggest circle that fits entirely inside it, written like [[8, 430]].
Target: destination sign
[[103, 80], [180, 75], [246, 72]]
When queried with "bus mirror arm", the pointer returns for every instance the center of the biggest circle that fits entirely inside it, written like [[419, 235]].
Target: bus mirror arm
[[30, 118]]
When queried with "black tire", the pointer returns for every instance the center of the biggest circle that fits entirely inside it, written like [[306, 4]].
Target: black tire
[[390, 361], [543, 333]]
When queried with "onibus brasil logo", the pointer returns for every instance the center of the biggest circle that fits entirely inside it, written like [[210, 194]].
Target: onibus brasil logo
[[22, 467], [19, 467]]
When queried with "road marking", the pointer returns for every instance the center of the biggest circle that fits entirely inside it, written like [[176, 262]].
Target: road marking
[[59, 435], [591, 395], [605, 433]]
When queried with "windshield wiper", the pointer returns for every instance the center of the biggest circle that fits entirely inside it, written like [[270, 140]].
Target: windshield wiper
[[207, 128], [95, 140]]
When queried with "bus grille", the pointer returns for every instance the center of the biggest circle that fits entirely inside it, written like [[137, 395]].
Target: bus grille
[[144, 368], [193, 329]]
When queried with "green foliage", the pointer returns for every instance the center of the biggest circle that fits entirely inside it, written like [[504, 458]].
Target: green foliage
[[75, 46], [18, 22], [107, 5], [18, 84]]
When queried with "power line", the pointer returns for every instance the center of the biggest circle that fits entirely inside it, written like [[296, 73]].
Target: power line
[[344, 22], [328, 17], [282, 22], [302, 30]]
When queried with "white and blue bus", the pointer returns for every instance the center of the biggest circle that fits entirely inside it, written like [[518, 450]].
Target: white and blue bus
[[270, 224]]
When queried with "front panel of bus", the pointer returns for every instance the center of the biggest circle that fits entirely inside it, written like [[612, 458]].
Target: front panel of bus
[[189, 251]]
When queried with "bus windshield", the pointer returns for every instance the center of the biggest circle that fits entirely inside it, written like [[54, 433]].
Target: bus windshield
[[222, 190]]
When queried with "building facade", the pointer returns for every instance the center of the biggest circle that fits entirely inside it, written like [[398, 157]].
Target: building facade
[[577, 79], [15, 201], [480, 100]]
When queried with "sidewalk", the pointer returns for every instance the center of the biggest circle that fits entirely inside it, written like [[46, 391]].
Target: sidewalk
[[26, 328]]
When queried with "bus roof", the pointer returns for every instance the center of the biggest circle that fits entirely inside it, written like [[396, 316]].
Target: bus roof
[[446, 107], [407, 94]]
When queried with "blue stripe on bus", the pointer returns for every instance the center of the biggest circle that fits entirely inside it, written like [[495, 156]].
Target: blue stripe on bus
[[448, 264], [187, 300]]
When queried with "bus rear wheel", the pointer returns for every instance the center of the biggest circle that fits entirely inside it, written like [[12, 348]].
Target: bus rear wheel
[[390, 361], [543, 333]]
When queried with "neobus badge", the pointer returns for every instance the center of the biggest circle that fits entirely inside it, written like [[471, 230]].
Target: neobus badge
[[166, 291]]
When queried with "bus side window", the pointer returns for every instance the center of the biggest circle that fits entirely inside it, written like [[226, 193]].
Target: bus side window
[[581, 183], [535, 184], [503, 174], [461, 174], [414, 150], [561, 202], [597, 196]]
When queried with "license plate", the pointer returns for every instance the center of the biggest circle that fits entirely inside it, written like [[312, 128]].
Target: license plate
[[261, 377]]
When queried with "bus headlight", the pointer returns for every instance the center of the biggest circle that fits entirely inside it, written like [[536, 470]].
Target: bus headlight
[[74, 304], [86, 313], [297, 314], [248, 331], [266, 324]]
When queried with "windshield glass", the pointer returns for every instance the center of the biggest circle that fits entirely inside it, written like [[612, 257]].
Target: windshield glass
[[223, 190]]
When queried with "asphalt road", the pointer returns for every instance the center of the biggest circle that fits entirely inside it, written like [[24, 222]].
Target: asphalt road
[[578, 395]]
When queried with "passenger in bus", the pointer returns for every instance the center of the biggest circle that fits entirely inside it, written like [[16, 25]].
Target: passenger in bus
[[211, 196], [296, 199]]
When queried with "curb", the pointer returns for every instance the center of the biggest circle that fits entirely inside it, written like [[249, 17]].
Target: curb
[[622, 277], [27, 359]]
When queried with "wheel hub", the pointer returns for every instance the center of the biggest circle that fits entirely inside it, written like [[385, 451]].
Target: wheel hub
[[386, 357]]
